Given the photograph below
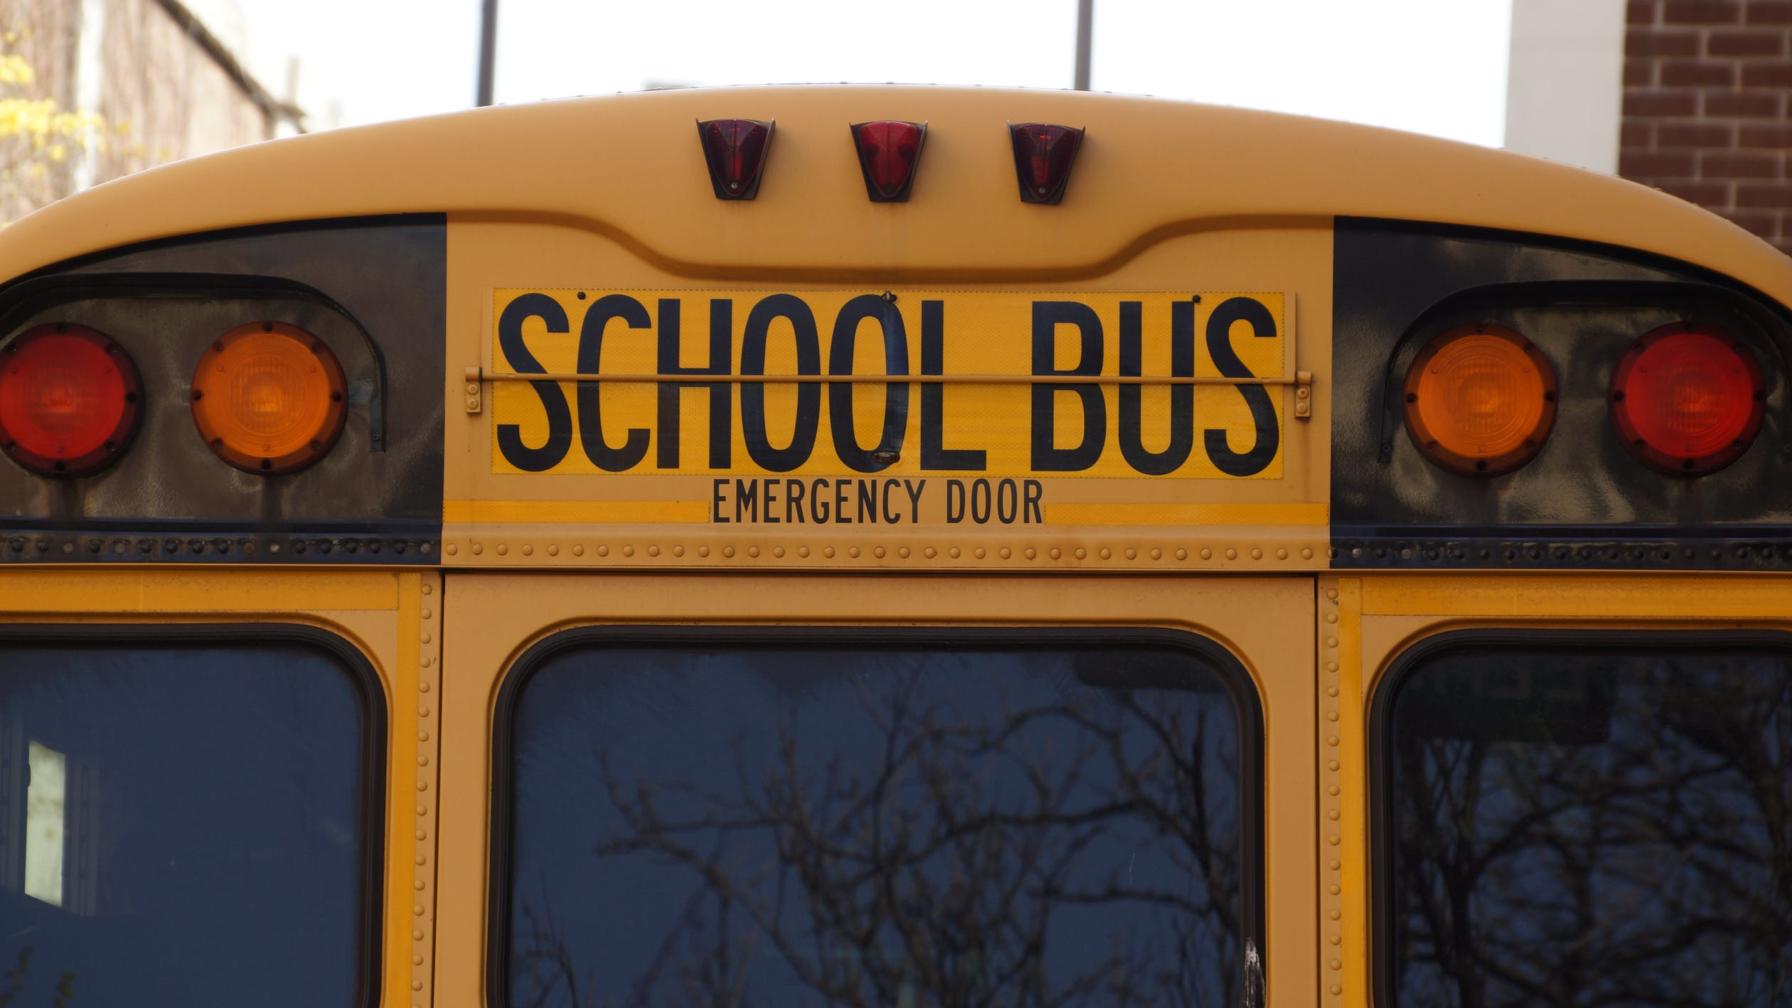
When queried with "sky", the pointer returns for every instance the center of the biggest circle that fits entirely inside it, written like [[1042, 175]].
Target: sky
[[1431, 66]]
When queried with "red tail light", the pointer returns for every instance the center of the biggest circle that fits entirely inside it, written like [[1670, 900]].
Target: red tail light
[[70, 400], [1687, 399], [888, 153], [735, 151], [1043, 155]]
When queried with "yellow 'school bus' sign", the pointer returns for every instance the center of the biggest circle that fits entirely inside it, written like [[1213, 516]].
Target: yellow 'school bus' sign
[[780, 400]]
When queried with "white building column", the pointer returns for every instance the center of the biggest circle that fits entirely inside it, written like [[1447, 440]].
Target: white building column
[[1564, 81]]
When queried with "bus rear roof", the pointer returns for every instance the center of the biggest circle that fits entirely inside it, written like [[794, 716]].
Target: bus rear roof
[[630, 167]]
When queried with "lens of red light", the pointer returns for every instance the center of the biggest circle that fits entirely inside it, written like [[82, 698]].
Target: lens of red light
[[69, 400], [1043, 155], [735, 151], [1687, 399], [888, 153]]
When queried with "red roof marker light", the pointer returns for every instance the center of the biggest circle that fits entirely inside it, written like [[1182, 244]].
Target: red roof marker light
[[888, 153], [735, 152], [70, 400], [1043, 155]]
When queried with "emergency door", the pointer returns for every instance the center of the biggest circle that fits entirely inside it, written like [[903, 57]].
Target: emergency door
[[877, 789]]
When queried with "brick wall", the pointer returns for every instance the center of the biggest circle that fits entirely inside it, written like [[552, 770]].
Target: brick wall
[[1708, 107]]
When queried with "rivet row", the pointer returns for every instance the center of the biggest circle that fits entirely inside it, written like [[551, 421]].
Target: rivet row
[[1036, 554], [1332, 708], [428, 670], [64, 548]]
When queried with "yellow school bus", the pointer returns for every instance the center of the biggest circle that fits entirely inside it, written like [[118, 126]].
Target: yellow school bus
[[892, 546]]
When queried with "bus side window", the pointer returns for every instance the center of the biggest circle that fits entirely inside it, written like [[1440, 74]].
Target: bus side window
[[165, 806], [1619, 834]]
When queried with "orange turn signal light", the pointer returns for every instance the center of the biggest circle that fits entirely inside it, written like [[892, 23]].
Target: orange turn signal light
[[269, 398], [1480, 400]]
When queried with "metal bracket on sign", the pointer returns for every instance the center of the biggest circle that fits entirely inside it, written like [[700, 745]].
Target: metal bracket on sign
[[474, 390], [1301, 380]]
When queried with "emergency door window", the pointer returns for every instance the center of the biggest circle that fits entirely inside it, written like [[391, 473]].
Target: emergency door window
[[926, 821], [182, 824], [1577, 824]]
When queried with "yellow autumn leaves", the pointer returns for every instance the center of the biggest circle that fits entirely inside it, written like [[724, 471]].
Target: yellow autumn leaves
[[48, 130], [14, 69], [38, 136]]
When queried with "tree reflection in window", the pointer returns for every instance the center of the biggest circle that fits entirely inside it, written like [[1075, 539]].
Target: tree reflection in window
[[805, 826], [1580, 827]]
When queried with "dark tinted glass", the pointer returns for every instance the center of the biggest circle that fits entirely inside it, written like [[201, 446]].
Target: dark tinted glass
[[180, 824], [889, 825], [1582, 827]]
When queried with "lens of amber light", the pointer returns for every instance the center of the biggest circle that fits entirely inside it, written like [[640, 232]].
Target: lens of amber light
[[268, 397], [1480, 400]]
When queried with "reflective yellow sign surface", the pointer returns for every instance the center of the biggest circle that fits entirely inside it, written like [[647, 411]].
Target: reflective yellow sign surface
[[755, 384]]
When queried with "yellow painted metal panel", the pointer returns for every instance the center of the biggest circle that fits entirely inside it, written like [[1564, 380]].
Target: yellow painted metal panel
[[578, 516], [505, 512], [1344, 794], [193, 589], [402, 751], [1148, 169], [1190, 514], [1570, 595], [1267, 621]]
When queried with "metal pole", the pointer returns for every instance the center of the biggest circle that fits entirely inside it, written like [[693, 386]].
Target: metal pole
[[488, 51], [1085, 21]]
